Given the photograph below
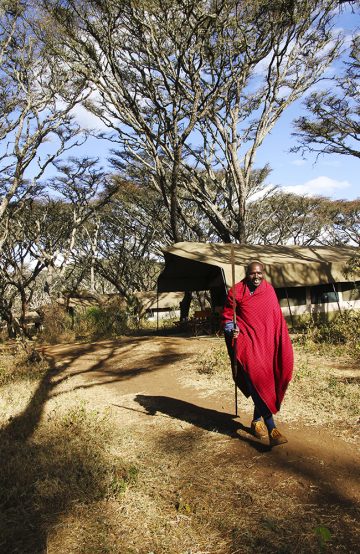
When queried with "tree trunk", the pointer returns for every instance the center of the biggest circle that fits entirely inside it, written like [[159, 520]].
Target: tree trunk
[[174, 205], [185, 306], [22, 319], [242, 221]]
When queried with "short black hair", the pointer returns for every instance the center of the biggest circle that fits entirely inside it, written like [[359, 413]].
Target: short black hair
[[254, 262]]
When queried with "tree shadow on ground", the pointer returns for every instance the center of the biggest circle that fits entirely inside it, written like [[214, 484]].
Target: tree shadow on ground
[[42, 475], [47, 469], [286, 457], [112, 366]]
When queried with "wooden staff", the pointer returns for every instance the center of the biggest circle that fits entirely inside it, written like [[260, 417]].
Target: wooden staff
[[234, 322]]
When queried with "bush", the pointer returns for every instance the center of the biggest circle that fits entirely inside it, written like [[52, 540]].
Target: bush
[[342, 330], [107, 320], [57, 325], [104, 321]]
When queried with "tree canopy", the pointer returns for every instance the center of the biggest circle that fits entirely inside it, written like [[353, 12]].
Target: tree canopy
[[187, 92], [332, 124], [189, 88]]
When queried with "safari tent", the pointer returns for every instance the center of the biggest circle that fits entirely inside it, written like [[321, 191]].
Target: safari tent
[[306, 279], [159, 306]]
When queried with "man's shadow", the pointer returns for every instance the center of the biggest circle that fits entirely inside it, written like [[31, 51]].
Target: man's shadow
[[205, 418]]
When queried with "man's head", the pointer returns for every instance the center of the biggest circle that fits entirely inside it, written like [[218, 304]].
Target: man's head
[[254, 273]]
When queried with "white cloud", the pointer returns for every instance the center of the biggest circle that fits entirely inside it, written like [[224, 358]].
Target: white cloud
[[261, 193], [86, 119], [322, 185], [299, 162]]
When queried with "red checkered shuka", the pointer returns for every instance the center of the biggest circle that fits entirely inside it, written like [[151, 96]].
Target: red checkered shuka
[[264, 349]]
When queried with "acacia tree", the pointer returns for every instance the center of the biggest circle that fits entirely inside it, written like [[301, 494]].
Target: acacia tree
[[332, 123], [194, 225], [285, 218], [126, 239], [299, 51], [18, 270], [145, 60], [84, 189], [170, 72], [37, 95], [45, 236], [344, 223]]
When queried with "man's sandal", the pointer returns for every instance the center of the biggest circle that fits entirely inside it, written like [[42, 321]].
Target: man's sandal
[[276, 438], [258, 429]]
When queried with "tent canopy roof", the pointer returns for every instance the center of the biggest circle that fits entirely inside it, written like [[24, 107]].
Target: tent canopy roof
[[199, 266]]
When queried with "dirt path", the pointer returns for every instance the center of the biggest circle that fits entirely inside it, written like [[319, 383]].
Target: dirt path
[[151, 388]]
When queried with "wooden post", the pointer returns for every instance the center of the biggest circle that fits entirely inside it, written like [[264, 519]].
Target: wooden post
[[234, 322]]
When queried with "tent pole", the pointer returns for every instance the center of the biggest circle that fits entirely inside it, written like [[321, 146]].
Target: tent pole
[[157, 309], [336, 295], [288, 301]]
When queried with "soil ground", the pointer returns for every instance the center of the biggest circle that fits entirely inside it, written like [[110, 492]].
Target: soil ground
[[205, 484]]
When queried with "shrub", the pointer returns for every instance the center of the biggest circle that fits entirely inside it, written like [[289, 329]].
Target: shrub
[[100, 321], [342, 330], [104, 321], [57, 325], [20, 361]]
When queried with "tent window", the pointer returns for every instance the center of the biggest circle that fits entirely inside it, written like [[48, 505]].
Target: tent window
[[297, 296], [324, 294], [351, 291]]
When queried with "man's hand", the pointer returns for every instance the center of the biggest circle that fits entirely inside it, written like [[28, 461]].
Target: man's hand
[[231, 329]]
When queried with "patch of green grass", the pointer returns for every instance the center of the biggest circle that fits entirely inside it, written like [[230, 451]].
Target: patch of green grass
[[323, 536]]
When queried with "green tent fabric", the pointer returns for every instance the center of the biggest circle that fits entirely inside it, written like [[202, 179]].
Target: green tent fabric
[[191, 266]]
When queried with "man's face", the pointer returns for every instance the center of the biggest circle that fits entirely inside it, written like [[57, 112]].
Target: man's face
[[254, 274]]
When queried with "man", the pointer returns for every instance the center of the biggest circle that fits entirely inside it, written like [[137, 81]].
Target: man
[[263, 348]]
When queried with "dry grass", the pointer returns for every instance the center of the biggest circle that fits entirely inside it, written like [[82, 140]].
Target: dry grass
[[20, 362], [76, 480], [325, 391], [196, 495], [51, 464]]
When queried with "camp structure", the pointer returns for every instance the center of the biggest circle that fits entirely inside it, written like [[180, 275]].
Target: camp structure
[[309, 279], [160, 306]]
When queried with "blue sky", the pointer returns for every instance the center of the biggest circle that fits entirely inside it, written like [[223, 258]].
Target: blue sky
[[329, 175]]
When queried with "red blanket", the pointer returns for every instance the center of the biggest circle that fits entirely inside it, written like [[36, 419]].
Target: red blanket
[[264, 349]]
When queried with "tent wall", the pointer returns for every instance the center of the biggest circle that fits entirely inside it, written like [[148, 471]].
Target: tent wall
[[195, 266], [307, 280]]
